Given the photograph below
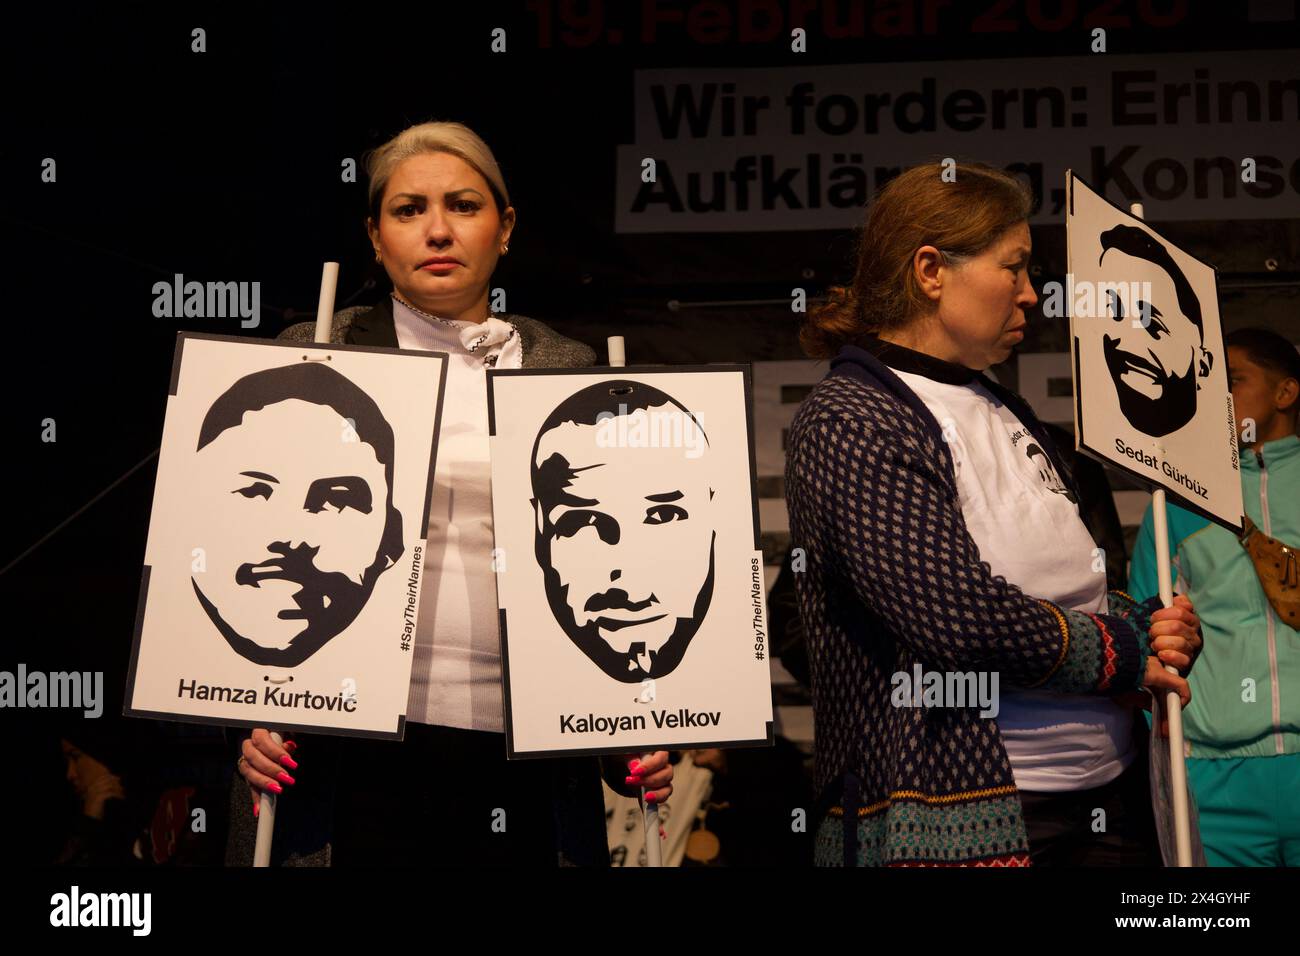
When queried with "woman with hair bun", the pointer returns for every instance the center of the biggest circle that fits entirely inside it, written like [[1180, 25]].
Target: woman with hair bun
[[973, 681]]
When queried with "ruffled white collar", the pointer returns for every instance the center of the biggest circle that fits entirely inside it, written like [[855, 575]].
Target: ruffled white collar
[[495, 341]]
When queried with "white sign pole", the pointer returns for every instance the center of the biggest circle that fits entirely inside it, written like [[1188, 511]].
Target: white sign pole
[[265, 822], [653, 847], [329, 280], [1173, 705]]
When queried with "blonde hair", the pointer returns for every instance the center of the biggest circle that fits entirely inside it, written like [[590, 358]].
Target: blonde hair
[[436, 137]]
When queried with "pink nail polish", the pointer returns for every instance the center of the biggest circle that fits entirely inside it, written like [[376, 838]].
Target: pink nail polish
[[635, 781], [289, 762], [274, 787], [650, 797], [284, 778], [634, 766]]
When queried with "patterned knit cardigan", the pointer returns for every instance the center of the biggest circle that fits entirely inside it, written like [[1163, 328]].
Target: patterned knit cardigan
[[894, 579]]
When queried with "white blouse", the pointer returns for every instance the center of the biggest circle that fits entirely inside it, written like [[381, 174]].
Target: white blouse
[[456, 671]]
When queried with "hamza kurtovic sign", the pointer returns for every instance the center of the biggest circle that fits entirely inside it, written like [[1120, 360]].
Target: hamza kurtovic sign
[[1150, 373], [629, 574], [286, 543]]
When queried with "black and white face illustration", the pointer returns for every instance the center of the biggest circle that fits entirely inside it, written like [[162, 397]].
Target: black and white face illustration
[[624, 529], [1047, 472], [1153, 344], [293, 540]]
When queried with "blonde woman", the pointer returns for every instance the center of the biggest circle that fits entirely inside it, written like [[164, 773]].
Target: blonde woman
[[440, 219]]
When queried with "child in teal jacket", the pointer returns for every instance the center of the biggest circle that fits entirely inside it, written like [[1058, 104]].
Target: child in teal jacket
[[1242, 727]]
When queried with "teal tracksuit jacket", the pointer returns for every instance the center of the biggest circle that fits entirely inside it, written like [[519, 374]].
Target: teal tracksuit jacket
[[1246, 683]]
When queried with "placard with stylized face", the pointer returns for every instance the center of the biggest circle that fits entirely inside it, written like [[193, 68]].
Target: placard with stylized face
[[1151, 386], [282, 570], [629, 573]]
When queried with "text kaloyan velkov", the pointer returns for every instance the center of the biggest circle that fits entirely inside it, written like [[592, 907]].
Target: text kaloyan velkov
[[613, 723]]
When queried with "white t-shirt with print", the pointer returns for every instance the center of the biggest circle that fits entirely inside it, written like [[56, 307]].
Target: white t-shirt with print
[[1020, 514]]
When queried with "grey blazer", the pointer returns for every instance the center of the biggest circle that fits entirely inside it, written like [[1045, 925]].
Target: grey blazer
[[304, 820]]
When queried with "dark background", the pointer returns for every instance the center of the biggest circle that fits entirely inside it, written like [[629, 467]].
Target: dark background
[[225, 166]]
